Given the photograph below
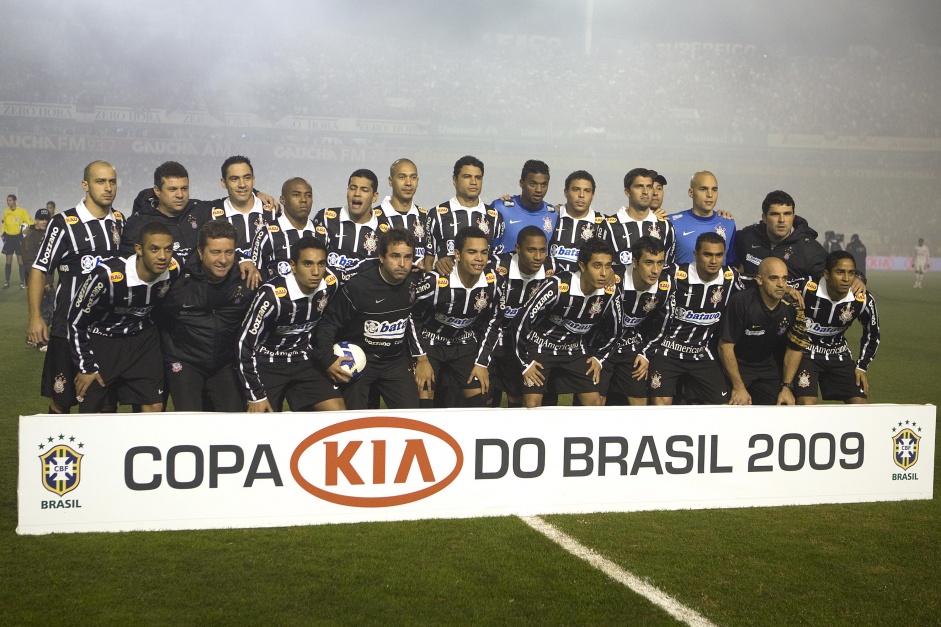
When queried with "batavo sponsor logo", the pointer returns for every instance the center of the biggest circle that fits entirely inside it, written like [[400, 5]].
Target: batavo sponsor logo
[[377, 462]]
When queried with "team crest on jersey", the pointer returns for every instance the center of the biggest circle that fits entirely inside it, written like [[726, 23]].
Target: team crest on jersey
[[322, 303], [782, 328], [273, 228], [176, 367], [443, 210], [681, 274], [419, 230], [533, 288], [546, 224], [596, 306], [370, 243], [563, 287], [729, 275], [787, 253], [330, 280], [61, 469], [587, 232], [483, 225], [218, 212], [116, 277], [284, 268], [655, 231], [720, 230], [163, 289], [905, 448], [655, 381], [115, 235], [442, 282], [716, 297], [259, 222], [480, 303], [412, 293], [193, 223], [71, 220], [803, 379], [58, 384], [846, 313], [329, 214], [664, 285], [650, 304], [280, 292]]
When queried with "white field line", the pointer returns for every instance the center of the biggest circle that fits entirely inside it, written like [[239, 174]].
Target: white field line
[[659, 598]]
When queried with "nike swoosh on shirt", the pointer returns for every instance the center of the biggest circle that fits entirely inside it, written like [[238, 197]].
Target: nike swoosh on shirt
[[515, 221], [756, 245], [685, 233], [379, 300]]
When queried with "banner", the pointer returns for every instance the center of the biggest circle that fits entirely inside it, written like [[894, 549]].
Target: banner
[[123, 472], [875, 262]]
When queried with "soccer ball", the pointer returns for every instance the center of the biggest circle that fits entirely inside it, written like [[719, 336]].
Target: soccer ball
[[348, 349]]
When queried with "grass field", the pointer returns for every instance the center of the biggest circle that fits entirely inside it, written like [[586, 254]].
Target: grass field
[[859, 564]]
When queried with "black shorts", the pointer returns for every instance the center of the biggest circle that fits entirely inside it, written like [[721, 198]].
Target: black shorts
[[568, 373], [302, 383], [763, 382], [12, 245], [132, 369], [704, 380], [506, 373], [836, 380], [616, 377], [193, 390], [453, 365], [58, 373], [394, 378]]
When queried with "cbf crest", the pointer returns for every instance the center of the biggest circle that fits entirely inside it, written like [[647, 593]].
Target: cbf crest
[[905, 448], [61, 469]]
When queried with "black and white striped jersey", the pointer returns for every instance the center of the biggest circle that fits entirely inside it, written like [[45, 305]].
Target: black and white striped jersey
[[519, 287], [637, 309], [279, 327], [447, 313], [827, 321], [347, 241], [115, 302], [693, 310], [445, 220], [558, 318], [621, 231], [246, 224], [414, 222], [271, 248], [75, 242], [569, 235]]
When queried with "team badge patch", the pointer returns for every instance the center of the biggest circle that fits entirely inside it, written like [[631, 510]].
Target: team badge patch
[[58, 384], [587, 232], [546, 224], [716, 297], [483, 225], [905, 448], [193, 223], [846, 313], [803, 379], [650, 304], [163, 289], [116, 277], [61, 468], [284, 268], [596, 306], [322, 303], [412, 293], [419, 230], [480, 303], [655, 231], [655, 381], [720, 230], [787, 253], [370, 243], [115, 235], [176, 367]]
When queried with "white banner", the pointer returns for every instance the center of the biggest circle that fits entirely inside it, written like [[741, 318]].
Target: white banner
[[874, 262], [123, 472]]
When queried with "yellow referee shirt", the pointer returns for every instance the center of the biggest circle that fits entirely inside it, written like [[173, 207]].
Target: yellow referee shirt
[[14, 220]]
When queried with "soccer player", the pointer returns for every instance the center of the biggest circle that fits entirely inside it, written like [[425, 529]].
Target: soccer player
[[781, 234], [15, 221], [624, 376], [115, 344], [244, 209], [400, 208], [199, 323], [637, 219], [702, 218], [529, 207], [656, 197], [578, 223], [524, 271], [271, 248], [31, 244], [373, 310], [352, 232], [279, 358], [830, 307], [552, 334], [464, 209], [449, 308], [684, 348], [921, 261], [76, 241], [762, 334]]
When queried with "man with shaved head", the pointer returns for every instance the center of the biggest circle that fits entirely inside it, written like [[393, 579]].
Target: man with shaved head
[[702, 218], [762, 338], [400, 209]]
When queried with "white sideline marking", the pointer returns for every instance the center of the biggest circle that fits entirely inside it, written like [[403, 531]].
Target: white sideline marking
[[653, 594]]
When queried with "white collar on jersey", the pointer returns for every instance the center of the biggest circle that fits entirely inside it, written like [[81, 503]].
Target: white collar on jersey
[[590, 216], [455, 279], [285, 223], [694, 278], [623, 216], [515, 273], [627, 282], [133, 279], [391, 211], [575, 289], [85, 215], [294, 290], [822, 291], [232, 211], [346, 217], [455, 205]]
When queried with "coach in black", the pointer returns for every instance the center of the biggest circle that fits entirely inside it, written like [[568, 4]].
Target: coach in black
[[373, 310], [762, 334], [114, 341], [199, 324]]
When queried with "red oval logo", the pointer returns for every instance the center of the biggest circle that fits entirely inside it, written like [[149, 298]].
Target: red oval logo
[[350, 459]]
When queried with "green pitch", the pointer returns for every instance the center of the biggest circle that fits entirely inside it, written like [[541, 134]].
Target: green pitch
[[865, 564]]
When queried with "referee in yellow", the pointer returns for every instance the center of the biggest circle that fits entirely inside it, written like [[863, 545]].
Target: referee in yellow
[[15, 220]]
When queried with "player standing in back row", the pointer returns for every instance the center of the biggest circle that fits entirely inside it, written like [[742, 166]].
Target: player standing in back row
[[921, 261]]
